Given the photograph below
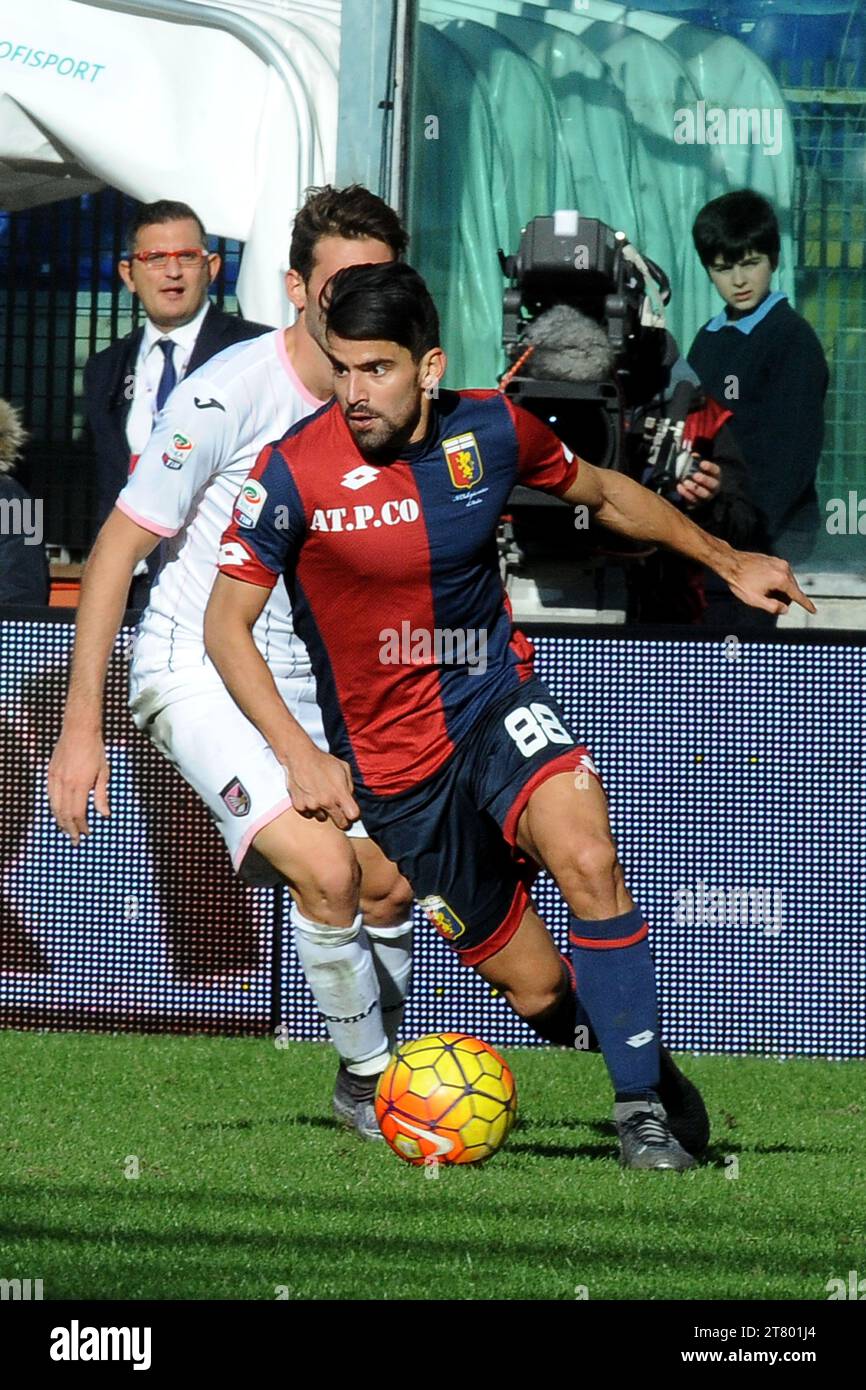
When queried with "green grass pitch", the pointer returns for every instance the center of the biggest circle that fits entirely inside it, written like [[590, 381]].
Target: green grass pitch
[[247, 1189]]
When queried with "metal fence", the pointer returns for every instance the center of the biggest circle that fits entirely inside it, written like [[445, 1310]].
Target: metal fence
[[829, 114]]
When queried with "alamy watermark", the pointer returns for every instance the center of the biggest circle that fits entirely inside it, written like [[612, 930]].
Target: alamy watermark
[[729, 906], [438, 646], [22, 516], [740, 125], [852, 1288], [23, 1290], [846, 516], [77, 1343]]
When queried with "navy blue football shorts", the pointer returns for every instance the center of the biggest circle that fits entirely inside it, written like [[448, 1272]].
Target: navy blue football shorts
[[453, 836]]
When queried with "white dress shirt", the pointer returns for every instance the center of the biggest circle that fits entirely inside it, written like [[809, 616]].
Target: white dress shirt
[[148, 373]]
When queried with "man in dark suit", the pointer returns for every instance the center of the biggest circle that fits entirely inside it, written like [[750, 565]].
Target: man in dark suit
[[170, 268]]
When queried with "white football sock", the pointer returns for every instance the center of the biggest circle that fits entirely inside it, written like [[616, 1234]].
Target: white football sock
[[338, 964], [392, 957]]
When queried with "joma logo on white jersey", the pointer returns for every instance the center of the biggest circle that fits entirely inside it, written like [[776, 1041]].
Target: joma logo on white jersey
[[362, 518]]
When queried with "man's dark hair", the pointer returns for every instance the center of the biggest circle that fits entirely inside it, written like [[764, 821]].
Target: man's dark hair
[[163, 210], [735, 224], [352, 212], [387, 302]]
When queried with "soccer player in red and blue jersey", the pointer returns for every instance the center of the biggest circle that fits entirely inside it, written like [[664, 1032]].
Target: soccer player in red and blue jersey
[[381, 511]]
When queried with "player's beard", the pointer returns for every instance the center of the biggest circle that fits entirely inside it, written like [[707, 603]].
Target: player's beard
[[383, 435]]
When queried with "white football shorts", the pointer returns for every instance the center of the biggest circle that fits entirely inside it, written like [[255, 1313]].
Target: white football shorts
[[224, 757]]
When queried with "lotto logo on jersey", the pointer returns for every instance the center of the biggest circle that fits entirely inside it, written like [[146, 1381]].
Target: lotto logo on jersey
[[233, 553], [464, 460], [359, 477], [249, 505], [441, 916]]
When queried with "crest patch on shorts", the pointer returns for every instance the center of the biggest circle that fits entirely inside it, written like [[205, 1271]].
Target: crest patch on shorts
[[236, 797], [441, 916]]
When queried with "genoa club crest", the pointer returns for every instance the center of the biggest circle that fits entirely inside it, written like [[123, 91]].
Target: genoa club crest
[[236, 797], [464, 460], [442, 917]]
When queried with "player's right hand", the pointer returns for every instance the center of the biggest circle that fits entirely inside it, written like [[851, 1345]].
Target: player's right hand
[[766, 582], [320, 786], [78, 766]]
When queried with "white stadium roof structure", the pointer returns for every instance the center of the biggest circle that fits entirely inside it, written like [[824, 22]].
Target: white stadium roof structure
[[229, 105]]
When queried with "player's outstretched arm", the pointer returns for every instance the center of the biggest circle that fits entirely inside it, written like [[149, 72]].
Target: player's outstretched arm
[[319, 784], [78, 764], [634, 511]]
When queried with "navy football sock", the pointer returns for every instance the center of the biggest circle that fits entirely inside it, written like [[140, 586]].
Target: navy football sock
[[616, 986]]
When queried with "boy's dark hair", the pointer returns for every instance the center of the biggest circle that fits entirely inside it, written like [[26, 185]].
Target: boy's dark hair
[[387, 302], [735, 224], [163, 210], [352, 212]]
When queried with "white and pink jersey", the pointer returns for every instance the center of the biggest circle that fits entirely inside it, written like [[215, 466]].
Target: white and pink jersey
[[184, 487]]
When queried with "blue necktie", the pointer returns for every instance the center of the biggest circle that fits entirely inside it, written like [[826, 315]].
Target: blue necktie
[[168, 380]]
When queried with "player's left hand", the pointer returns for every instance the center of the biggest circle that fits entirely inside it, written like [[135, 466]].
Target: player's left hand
[[763, 581], [701, 485]]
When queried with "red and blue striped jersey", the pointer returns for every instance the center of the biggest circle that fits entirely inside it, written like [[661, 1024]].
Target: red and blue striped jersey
[[393, 573]]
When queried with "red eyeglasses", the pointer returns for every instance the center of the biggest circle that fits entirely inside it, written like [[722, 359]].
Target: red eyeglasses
[[190, 257]]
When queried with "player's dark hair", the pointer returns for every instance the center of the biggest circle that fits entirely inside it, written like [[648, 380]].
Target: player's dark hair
[[163, 210], [387, 302], [352, 213], [735, 224]]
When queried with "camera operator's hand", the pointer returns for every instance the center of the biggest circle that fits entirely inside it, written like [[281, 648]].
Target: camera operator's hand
[[702, 484], [765, 582]]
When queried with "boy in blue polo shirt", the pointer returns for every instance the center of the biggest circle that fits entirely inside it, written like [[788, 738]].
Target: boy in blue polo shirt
[[764, 362]]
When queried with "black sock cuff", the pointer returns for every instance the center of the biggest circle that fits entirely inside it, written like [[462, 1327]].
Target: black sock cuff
[[557, 1024]]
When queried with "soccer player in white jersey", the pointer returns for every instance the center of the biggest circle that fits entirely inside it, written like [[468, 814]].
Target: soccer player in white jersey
[[183, 488]]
